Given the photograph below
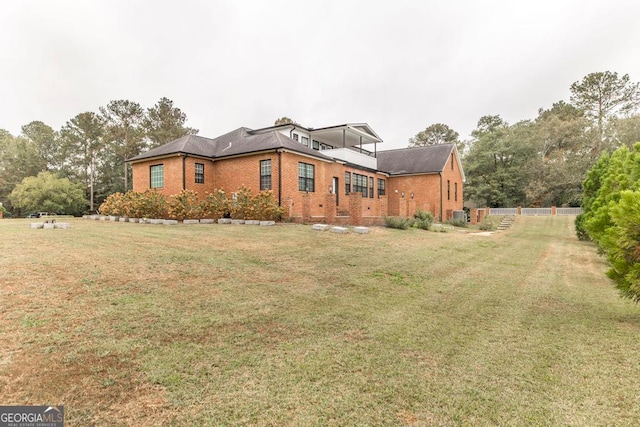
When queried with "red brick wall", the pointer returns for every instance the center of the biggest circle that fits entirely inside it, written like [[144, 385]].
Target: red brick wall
[[426, 191], [453, 175], [230, 174], [172, 175]]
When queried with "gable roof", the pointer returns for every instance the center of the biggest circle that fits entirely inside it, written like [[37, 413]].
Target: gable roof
[[417, 160], [236, 142]]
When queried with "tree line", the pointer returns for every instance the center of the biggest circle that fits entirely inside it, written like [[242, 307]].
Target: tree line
[[543, 162], [89, 151]]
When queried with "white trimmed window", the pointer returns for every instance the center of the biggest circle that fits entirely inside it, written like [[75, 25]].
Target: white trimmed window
[[157, 176]]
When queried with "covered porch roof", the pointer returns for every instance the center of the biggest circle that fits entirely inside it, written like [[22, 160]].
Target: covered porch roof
[[346, 135]]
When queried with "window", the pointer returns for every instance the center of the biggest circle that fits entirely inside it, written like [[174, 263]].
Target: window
[[199, 173], [265, 175], [381, 187], [371, 187], [455, 191], [305, 141], [347, 182], [451, 161], [448, 190], [295, 136], [305, 177], [316, 145], [157, 176], [360, 184]]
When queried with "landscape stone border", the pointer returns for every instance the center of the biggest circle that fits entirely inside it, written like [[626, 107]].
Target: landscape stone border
[[174, 221]]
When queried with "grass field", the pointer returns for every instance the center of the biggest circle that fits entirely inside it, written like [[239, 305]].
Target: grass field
[[130, 324]]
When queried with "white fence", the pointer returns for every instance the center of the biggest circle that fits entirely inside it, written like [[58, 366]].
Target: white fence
[[535, 211], [568, 211], [503, 211]]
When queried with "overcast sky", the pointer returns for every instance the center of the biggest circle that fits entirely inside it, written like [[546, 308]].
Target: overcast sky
[[397, 65]]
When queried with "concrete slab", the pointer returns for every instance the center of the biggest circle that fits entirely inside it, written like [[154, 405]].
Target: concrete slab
[[251, 222], [237, 221], [170, 222], [191, 221], [61, 225], [339, 230], [36, 225], [48, 225], [361, 230], [321, 227], [267, 223], [206, 221], [224, 221]]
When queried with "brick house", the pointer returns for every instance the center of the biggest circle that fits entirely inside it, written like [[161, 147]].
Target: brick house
[[333, 174]]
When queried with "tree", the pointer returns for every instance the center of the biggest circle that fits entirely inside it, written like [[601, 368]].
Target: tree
[[82, 141], [495, 165], [627, 130], [603, 96], [124, 132], [18, 159], [46, 142], [47, 192], [612, 214], [163, 123], [556, 173], [438, 133], [284, 120]]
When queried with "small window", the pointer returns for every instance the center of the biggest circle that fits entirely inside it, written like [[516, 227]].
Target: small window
[[306, 173], [265, 175], [295, 136], [347, 182], [451, 161], [199, 173], [455, 191], [316, 145], [305, 141], [381, 187], [371, 187], [448, 190], [157, 176]]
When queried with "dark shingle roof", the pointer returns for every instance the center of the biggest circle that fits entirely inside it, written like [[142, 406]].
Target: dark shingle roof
[[188, 144], [404, 161], [239, 141]]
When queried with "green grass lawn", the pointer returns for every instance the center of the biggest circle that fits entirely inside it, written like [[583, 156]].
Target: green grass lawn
[[131, 324]]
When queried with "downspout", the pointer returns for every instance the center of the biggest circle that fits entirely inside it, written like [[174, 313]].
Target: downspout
[[440, 173], [279, 177], [291, 131], [184, 172]]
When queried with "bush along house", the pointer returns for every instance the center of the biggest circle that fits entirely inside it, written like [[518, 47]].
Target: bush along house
[[333, 174]]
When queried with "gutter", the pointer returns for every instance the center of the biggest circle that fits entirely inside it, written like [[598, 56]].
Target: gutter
[[440, 173], [279, 177]]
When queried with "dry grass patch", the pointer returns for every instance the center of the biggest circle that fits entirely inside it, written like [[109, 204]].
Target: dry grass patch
[[217, 325]]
